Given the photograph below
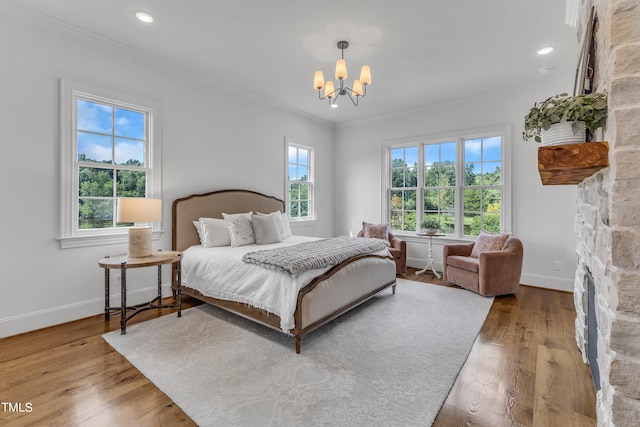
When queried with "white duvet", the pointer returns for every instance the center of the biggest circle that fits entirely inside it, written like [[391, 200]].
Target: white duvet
[[221, 273]]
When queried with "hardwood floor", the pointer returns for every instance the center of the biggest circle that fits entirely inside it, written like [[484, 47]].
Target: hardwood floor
[[524, 369]]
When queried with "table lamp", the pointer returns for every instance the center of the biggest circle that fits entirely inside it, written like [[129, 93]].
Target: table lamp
[[140, 211]]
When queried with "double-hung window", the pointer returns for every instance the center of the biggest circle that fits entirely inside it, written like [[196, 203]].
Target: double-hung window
[[460, 181], [300, 200], [110, 149]]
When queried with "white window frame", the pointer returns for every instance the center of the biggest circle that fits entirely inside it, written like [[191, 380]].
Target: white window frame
[[70, 235], [502, 130], [290, 142]]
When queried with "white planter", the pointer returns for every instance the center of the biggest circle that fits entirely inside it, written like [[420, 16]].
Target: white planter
[[562, 133]]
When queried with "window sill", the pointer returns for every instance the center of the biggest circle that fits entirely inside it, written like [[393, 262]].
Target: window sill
[[302, 222], [99, 240]]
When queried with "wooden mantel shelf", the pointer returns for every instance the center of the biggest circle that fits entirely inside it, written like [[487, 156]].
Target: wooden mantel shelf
[[571, 163]]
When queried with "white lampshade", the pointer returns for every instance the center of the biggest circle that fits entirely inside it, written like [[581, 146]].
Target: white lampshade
[[365, 75], [341, 70], [357, 88], [328, 89], [318, 81], [137, 210]]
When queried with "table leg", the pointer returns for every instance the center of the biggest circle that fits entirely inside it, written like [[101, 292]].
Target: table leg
[[430, 261], [159, 285], [179, 280], [107, 310], [123, 298]]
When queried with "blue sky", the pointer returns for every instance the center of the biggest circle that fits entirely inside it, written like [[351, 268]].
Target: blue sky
[[103, 129], [486, 150]]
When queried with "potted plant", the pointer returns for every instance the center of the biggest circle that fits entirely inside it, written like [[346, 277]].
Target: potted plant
[[588, 111], [431, 226]]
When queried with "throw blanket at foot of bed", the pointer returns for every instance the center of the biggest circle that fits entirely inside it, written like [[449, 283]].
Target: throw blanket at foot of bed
[[306, 256]]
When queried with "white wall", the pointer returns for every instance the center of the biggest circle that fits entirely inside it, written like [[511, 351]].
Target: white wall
[[542, 216], [211, 140]]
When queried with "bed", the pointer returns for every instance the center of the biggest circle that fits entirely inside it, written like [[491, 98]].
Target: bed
[[325, 294]]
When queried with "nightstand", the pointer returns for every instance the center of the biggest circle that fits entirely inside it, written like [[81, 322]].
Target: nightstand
[[123, 263]]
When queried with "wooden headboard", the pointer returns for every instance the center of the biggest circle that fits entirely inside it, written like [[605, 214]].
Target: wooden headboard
[[211, 205]]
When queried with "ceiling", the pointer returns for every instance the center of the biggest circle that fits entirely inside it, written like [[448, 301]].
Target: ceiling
[[421, 52]]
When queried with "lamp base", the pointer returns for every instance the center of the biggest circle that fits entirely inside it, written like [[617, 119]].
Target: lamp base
[[139, 242]]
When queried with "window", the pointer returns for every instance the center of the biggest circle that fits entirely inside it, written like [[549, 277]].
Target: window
[[300, 182], [460, 181], [482, 186], [109, 149], [440, 184], [404, 187]]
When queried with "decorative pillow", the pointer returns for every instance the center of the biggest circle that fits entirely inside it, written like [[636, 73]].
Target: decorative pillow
[[376, 231], [285, 224], [214, 232], [240, 228], [278, 218], [265, 228], [489, 242]]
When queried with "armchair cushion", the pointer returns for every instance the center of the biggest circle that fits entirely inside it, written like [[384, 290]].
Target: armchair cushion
[[465, 262]]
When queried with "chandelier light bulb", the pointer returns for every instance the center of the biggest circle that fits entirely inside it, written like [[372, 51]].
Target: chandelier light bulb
[[328, 90], [357, 88], [365, 75], [318, 80], [341, 70]]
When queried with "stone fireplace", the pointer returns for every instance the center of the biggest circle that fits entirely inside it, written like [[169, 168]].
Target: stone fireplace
[[608, 221]]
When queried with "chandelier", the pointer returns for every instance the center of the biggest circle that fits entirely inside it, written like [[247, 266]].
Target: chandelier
[[359, 86]]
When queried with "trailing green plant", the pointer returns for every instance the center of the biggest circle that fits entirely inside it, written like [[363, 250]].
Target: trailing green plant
[[431, 223], [588, 108]]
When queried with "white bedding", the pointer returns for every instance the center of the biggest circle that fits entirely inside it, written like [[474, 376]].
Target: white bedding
[[220, 273]]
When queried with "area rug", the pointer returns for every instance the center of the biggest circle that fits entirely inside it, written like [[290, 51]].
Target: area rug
[[390, 362]]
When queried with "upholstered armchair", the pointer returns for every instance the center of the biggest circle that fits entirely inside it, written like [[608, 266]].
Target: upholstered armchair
[[487, 272], [398, 251]]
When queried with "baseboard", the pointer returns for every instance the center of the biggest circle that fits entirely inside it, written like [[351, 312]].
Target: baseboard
[[26, 322], [547, 282]]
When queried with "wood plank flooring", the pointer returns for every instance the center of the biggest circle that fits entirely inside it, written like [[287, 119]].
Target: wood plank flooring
[[523, 370]]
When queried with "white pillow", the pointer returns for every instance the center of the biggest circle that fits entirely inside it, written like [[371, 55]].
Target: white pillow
[[277, 215], [265, 228], [214, 232], [285, 223], [196, 224], [240, 228]]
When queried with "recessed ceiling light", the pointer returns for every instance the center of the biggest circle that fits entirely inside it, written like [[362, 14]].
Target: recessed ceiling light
[[334, 105], [545, 50], [144, 17]]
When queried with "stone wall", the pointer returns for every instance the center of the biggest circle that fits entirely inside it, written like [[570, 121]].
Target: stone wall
[[608, 218]]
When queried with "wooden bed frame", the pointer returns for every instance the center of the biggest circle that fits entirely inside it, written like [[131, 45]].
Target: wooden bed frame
[[322, 300]]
